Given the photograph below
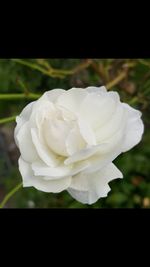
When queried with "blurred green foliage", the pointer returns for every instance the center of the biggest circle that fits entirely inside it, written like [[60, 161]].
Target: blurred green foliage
[[133, 191]]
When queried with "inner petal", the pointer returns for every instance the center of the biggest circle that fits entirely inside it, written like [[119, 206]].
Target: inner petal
[[83, 154], [56, 132], [87, 132], [44, 152], [74, 141]]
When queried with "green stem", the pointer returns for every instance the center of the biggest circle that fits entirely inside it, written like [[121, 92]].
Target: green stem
[[133, 101], [30, 64], [37, 67], [144, 62], [10, 194], [22, 85], [55, 73], [118, 79], [18, 96], [9, 119]]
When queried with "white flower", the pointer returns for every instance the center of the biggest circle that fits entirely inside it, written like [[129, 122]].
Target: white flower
[[68, 140]]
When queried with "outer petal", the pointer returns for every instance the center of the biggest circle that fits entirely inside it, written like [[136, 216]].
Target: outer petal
[[111, 143], [112, 126], [41, 169], [22, 118], [89, 188], [42, 109], [52, 95], [26, 146], [97, 90], [107, 152], [39, 182], [97, 109], [60, 171], [134, 128], [72, 99]]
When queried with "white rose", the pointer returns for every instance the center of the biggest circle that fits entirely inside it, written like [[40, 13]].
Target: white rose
[[68, 140]]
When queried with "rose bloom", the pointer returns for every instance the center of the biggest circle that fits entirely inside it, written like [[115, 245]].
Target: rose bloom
[[68, 140]]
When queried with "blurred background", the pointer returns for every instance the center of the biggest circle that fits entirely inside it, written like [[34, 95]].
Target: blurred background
[[32, 77]]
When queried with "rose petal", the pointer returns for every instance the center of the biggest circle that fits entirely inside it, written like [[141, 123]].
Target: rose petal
[[112, 126], [83, 154], [74, 141], [97, 109], [107, 152], [60, 171], [66, 114], [52, 186], [40, 183], [45, 154], [25, 144], [52, 95], [86, 132], [22, 118], [43, 109], [97, 90], [89, 188], [134, 128], [100, 155], [56, 132], [72, 99]]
